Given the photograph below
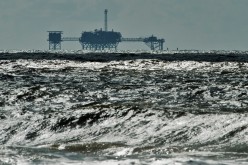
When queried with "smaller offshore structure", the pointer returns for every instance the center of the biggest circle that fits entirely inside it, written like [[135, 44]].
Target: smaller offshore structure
[[101, 39]]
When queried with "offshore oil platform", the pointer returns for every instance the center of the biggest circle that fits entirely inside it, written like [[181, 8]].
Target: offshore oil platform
[[101, 39]]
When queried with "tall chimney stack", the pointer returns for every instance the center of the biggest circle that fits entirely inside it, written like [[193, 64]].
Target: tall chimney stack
[[106, 20]]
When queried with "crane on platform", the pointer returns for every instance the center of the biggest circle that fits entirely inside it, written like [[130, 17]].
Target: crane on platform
[[101, 39]]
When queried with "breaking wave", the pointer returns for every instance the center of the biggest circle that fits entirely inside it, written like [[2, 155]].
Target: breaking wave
[[147, 108]]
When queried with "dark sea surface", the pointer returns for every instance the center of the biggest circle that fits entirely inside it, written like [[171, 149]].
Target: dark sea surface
[[170, 108]]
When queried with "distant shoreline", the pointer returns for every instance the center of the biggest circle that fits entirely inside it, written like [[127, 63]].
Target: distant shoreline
[[226, 56]]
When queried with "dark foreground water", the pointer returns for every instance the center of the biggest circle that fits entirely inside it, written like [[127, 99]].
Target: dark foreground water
[[127, 110]]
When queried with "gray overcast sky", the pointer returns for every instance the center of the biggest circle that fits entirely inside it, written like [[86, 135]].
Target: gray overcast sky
[[186, 24]]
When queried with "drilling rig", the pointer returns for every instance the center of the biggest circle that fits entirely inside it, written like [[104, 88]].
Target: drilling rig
[[101, 39]]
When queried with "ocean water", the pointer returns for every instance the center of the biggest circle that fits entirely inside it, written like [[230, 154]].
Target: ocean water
[[128, 108]]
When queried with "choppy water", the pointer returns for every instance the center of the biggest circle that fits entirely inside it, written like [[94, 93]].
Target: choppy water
[[132, 111]]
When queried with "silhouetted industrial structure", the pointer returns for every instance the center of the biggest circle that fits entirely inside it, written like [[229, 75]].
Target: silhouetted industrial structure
[[101, 40], [55, 39]]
